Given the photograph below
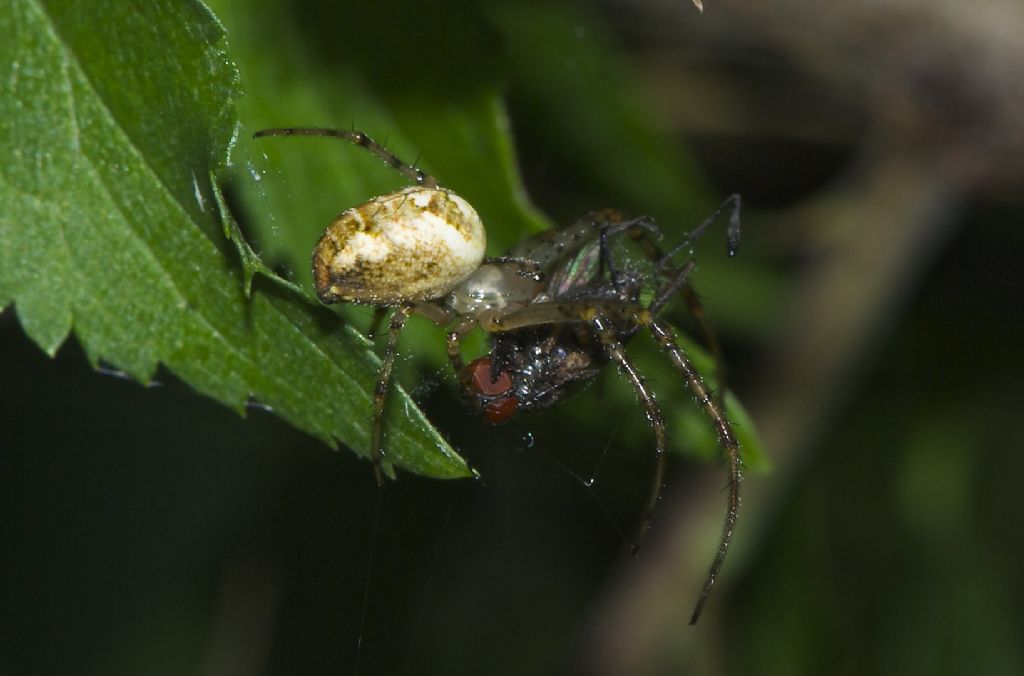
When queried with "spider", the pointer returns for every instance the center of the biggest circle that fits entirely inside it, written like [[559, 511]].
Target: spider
[[557, 308]]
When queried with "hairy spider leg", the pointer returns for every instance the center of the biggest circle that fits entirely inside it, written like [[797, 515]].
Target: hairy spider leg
[[640, 233], [379, 312], [358, 138], [453, 344], [679, 283], [734, 204], [665, 337], [557, 312], [712, 403], [380, 394], [613, 348]]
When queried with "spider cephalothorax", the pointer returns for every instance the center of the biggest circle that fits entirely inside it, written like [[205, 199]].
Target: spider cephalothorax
[[558, 307]]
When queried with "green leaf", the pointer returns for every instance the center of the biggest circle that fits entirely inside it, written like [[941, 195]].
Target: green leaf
[[113, 118]]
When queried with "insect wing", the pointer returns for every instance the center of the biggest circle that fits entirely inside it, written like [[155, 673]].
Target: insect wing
[[576, 270]]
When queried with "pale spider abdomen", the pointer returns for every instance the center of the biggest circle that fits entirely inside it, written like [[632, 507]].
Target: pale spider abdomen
[[407, 246]]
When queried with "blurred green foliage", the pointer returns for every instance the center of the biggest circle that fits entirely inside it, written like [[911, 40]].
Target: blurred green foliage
[[149, 531]]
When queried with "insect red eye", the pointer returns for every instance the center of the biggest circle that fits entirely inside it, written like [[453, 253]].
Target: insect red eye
[[500, 410], [481, 381]]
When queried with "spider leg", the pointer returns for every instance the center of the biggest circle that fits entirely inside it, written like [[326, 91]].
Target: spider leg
[[612, 222], [678, 276], [432, 312], [387, 365], [418, 176], [559, 312], [525, 267], [696, 309], [680, 284], [734, 204], [453, 343], [375, 322], [604, 259], [613, 348], [665, 337]]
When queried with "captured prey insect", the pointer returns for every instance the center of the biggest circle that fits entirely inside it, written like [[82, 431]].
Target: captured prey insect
[[557, 308]]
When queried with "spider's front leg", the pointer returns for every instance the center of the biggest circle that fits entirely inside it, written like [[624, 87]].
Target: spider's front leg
[[665, 337], [613, 348], [413, 173], [678, 278]]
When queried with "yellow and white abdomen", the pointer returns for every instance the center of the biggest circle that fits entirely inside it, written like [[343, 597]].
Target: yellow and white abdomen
[[411, 245]]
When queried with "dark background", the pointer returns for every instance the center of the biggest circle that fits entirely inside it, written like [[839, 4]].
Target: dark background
[[873, 328]]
